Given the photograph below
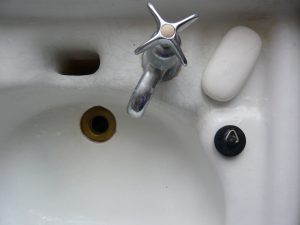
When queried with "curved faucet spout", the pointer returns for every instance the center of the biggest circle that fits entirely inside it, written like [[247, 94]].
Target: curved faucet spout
[[143, 92], [161, 60]]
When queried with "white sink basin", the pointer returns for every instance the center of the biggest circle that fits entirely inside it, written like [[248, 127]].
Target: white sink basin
[[161, 169], [152, 171]]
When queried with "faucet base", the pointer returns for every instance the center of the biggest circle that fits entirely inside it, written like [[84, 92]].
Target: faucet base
[[171, 73]]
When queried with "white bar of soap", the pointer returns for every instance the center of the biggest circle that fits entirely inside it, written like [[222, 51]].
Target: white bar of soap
[[231, 64]]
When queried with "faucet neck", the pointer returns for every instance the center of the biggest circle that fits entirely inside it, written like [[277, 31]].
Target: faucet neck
[[162, 59]]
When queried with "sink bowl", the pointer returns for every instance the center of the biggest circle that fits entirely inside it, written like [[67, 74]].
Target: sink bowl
[[152, 171]]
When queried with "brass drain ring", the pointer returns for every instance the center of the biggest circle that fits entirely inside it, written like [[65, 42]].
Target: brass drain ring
[[98, 124]]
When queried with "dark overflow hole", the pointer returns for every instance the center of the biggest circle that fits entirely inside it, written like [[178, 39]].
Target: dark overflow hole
[[77, 62]]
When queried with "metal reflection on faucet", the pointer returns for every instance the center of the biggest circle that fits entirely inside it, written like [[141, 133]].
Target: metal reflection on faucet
[[162, 59]]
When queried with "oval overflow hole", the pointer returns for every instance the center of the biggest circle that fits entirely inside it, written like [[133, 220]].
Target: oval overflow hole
[[77, 62]]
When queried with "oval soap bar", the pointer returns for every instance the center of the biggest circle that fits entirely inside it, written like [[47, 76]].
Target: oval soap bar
[[231, 64]]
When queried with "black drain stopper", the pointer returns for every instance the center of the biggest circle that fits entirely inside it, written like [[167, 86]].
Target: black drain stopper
[[230, 140]]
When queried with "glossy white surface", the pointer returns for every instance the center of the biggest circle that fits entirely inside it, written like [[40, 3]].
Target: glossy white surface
[[231, 64], [136, 8], [151, 171], [51, 174]]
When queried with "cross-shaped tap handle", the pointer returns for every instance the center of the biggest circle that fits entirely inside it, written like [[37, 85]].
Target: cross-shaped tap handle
[[166, 33]]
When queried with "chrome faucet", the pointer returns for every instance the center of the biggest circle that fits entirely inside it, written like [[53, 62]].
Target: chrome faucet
[[162, 58]]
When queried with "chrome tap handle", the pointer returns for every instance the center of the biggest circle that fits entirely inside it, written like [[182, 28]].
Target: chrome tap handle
[[167, 34]]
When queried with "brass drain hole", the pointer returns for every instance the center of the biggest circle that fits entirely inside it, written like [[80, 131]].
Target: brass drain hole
[[98, 124]]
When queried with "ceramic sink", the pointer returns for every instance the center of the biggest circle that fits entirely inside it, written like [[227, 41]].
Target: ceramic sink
[[164, 167]]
